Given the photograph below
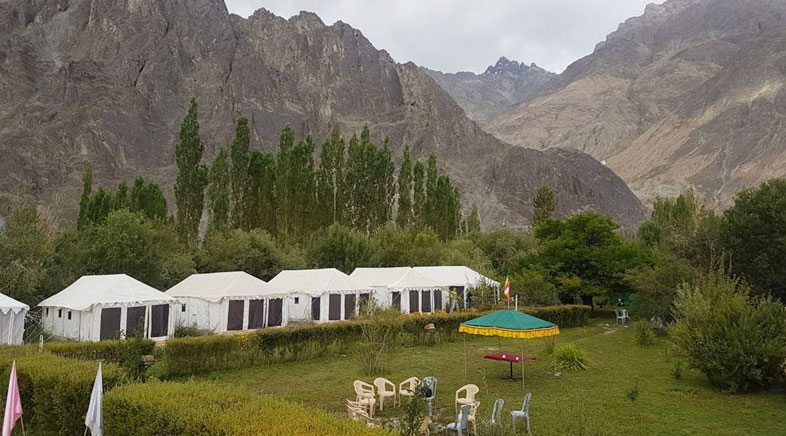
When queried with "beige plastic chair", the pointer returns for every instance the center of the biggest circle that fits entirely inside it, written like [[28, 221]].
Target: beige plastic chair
[[469, 396], [382, 385], [357, 410], [365, 395], [407, 388], [473, 412]]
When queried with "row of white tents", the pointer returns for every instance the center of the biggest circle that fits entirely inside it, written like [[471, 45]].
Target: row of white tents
[[108, 306]]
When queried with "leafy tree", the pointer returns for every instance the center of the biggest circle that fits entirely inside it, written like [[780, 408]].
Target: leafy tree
[[341, 248], [191, 178], [239, 176], [254, 252], [330, 178], [473, 221], [26, 253], [84, 202], [262, 192], [147, 199], [419, 194], [656, 286], [544, 206], [404, 217], [284, 181], [505, 248], [430, 207], [218, 192]]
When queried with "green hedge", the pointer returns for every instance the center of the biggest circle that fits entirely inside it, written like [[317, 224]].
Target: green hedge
[[55, 390], [110, 351], [205, 409], [190, 356]]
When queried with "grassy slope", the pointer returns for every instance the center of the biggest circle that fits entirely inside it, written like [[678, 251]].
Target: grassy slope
[[594, 402]]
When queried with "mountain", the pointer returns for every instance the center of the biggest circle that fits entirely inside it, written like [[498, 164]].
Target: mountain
[[502, 85], [688, 95], [107, 83]]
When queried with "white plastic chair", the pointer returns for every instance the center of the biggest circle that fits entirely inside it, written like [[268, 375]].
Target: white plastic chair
[[357, 410], [365, 395], [469, 395], [407, 387], [523, 413], [496, 413], [430, 384], [461, 421], [621, 316], [473, 416], [382, 391]]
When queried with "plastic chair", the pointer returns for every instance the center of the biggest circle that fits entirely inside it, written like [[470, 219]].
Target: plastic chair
[[461, 421], [382, 391], [473, 415], [407, 387], [621, 317], [356, 410], [365, 395], [496, 413], [469, 395], [429, 387], [523, 413]]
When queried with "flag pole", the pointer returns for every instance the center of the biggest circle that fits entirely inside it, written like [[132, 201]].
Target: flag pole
[[22, 421]]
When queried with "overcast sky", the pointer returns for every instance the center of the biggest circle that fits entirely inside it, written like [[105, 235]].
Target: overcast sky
[[468, 35]]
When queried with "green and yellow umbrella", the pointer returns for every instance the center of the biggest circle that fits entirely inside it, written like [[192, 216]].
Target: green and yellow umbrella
[[510, 324]]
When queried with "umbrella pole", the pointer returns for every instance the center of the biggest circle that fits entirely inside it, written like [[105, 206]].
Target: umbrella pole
[[465, 358], [522, 366]]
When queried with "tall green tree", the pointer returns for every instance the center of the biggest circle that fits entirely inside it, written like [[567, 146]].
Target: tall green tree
[[284, 176], [419, 194], [146, 198], [240, 178], [191, 178], [84, 202], [218, 195], [27, 245], [473, 221], [330, 177], [404, 217], [543, 205], [430, 209], [262, 194]]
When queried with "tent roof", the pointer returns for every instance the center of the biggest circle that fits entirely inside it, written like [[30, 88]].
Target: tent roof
[[456, 276], [394, 278], [314, 282], [114, 289], [217, 286], [8, 304], [509, 324]]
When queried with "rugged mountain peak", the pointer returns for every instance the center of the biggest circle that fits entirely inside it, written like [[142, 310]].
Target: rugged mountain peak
[[506, 66]]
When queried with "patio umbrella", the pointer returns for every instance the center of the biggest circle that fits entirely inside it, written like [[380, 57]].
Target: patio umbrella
[[510, 324]]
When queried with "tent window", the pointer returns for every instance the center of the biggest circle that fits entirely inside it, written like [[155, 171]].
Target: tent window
[[235, 315], [182, 307], [316, 305], [135, 319], [159, 325], [334, 312], [297, 300], [438, 300], [425, 307], [396, 300], [414, 302], [47, 311], [110, 322], [275, 313], [69, 315], [59, 313], [256, 314], [349, 306]]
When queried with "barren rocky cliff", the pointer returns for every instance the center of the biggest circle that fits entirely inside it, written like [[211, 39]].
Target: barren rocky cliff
[[688, 95], [107, 82]]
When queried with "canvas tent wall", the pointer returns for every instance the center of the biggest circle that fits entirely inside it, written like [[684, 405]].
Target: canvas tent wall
[[101, 307], [403, 287], [12, 320], [460, 278], [227, 301], [320, 295]]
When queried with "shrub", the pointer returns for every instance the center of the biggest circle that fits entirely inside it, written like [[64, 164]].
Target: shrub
[[125, 352], [643, 334], [565, 316], [569, 357], [187, 331], [737, 341], [676, 370], [204, 409], [55, 390], [633, 393]]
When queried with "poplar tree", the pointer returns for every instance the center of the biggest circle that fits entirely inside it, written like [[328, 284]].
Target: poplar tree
[[544, 206], [262, 195], [404, 217], [218, 192], [146, 198], [430, 209], [240, 179], [286, 142], [330, 178], [191, 178], [419, 194], [473, 221], [84, 202]]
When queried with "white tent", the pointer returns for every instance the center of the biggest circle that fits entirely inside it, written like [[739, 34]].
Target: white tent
[[460, 278], [319, 294], [403, 287], [12, 320], [107, 306], [225, 301]]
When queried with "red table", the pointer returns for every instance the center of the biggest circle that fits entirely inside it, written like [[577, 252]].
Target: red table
[[508, 357]]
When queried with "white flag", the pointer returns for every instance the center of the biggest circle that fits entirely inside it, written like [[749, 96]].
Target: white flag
[[95, 416]]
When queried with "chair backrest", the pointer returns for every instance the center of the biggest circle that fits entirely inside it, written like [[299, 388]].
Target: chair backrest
[[525, 406], [496, 413], [462, 416], [624, 313], [382, 383], [430, 383], [471, 390], [362, 387], [617, 313]]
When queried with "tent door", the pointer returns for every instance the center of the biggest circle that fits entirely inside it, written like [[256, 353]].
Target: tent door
[[110, 323], [395, 300], [316, 306], [235, 314], [334, 312], [426, 303], [414, 302], [365, 300], [256, 314], [135, 319], [159, 326], [275, 313], [438, 300], [349, 306]]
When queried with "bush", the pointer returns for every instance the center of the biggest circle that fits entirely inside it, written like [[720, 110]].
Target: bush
[[55, 390], [125, 352], [534, 288], [643, 334], [569, 357], [204, 409], [187, 331], [565, 316], [737, 341]]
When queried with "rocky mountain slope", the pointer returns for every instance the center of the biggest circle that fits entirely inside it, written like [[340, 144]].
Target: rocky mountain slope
[[107, 82], [501, 86], [690, 94]]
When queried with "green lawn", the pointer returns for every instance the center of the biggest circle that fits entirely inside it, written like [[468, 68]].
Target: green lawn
[[593, 402]]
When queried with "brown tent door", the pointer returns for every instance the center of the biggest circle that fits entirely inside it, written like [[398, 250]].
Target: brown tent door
[[438, 300], [159, 318], [414, 302], [365, 300], [256, 314], [426, 304], [396, 300], [135, 319], [349, 306], [275, 312], [316, 307], [110, 323], [235, 314], [334, 312]]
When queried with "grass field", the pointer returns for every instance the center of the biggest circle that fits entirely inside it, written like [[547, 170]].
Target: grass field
[[593, 402]]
